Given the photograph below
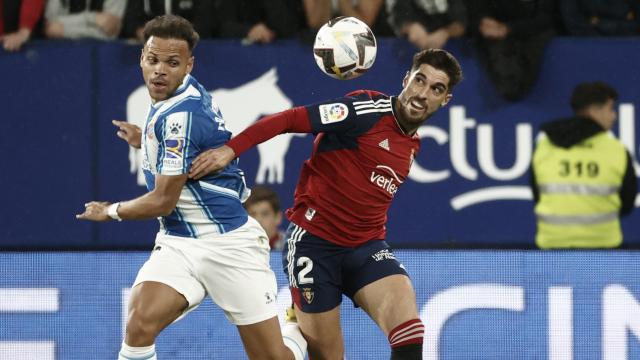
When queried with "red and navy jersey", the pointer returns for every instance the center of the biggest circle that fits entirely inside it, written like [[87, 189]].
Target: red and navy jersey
[[360, 158]]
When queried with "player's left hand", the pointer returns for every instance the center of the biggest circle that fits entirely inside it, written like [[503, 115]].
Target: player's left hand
[[211, 161], [95, 211]]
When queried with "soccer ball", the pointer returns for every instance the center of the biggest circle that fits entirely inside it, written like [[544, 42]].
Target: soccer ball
[[345, 48]]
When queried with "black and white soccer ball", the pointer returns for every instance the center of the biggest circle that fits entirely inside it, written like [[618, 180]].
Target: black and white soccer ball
[[345, 48]]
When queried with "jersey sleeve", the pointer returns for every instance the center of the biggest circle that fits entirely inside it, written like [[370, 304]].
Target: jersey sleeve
[[176, 145], [352, 114]]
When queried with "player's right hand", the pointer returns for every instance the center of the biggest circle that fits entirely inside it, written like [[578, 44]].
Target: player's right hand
[[211, 161], [128, 132]]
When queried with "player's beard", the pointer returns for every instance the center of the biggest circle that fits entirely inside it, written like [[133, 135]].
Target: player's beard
[[413, 115]]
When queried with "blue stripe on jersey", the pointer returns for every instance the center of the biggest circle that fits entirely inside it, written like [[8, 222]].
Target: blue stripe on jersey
[[175, 225], [192, 230], [185, 166], [206, 210], [161, 145]]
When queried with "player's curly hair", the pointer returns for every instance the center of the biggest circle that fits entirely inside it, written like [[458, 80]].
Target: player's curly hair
[[441, 60], [171, 27]]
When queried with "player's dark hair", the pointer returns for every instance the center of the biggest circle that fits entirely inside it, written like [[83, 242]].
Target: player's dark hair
[[171, 27], [592, 93], [261, 193], [441, 60]]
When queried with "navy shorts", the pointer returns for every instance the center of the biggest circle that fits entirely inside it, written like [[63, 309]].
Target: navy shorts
[[319, 271]]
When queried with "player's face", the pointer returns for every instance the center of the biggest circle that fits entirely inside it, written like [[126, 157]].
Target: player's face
[[424, 91], [165, 63], [268, 219]]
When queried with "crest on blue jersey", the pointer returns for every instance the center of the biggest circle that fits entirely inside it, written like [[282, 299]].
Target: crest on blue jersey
[[175, 128]]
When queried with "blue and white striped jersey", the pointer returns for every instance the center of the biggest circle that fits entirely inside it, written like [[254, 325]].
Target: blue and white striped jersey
[[176, 131]]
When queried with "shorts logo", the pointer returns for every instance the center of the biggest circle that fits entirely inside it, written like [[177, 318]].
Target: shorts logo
[[383, 254], [309, 214], [307, 294], [332, 113], [270, 298]]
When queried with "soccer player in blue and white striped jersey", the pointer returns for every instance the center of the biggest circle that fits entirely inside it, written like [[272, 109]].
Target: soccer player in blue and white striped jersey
[[206, 244]]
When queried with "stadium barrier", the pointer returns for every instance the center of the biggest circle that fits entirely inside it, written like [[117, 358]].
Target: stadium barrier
[[475, 305]]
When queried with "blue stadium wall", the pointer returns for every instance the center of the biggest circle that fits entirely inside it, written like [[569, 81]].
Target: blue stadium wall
[[475, 305], [469, 185]]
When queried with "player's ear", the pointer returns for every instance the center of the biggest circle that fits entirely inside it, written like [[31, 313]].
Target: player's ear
[[405, 80], [447, 99], [141, 56], [190, 64]]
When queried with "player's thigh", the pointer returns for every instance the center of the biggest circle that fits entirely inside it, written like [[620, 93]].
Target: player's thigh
[[154, 304], [234, 268], [322, 332], [165, 285], [376, 281], [389, 301], [263, 340]]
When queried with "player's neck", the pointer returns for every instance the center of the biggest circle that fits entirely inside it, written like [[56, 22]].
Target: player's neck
[[406, 127]]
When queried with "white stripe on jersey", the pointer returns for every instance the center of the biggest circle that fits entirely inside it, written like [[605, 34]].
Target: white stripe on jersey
[[381, 101], [296, 235], [381, 110], [194, 213], [219, 189], [372, 105]]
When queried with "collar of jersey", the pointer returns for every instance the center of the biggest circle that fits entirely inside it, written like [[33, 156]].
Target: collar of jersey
[[179, 90], [395, 118]]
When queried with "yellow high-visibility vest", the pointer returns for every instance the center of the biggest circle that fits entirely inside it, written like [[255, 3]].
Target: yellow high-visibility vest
[[579, 202]]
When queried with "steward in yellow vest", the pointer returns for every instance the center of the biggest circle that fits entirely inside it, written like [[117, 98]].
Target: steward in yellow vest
[[583, 178]]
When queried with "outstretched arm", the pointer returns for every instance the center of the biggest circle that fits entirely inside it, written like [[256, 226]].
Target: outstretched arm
[[211, 161], [159, 202]]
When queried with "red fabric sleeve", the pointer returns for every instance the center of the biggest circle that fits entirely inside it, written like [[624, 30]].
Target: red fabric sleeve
[[30, 13], [293, 120]]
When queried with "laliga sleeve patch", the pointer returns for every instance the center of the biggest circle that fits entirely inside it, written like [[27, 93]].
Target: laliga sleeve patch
[[173, 154], [333, 113]]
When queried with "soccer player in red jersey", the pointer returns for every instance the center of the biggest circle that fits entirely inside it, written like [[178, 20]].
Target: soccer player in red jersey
[[364, 146]]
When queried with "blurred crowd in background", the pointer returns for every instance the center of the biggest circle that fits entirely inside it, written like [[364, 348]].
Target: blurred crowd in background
[[509, 35]]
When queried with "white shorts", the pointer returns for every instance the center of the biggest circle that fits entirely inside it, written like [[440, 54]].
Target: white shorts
[[233, 268]]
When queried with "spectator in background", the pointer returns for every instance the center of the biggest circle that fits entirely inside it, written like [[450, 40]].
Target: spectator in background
[[76, 19], [601, 17], [371, 12], [511, 36], [199, 12], [259, 21], [583, 178], [264, 206], [428, 23], [18, 18]]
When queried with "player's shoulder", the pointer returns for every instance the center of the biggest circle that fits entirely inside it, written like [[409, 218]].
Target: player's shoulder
[[363, 95], [369, 104]]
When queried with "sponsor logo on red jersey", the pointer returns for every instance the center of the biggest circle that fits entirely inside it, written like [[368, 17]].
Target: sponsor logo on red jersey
[[386, 179]]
